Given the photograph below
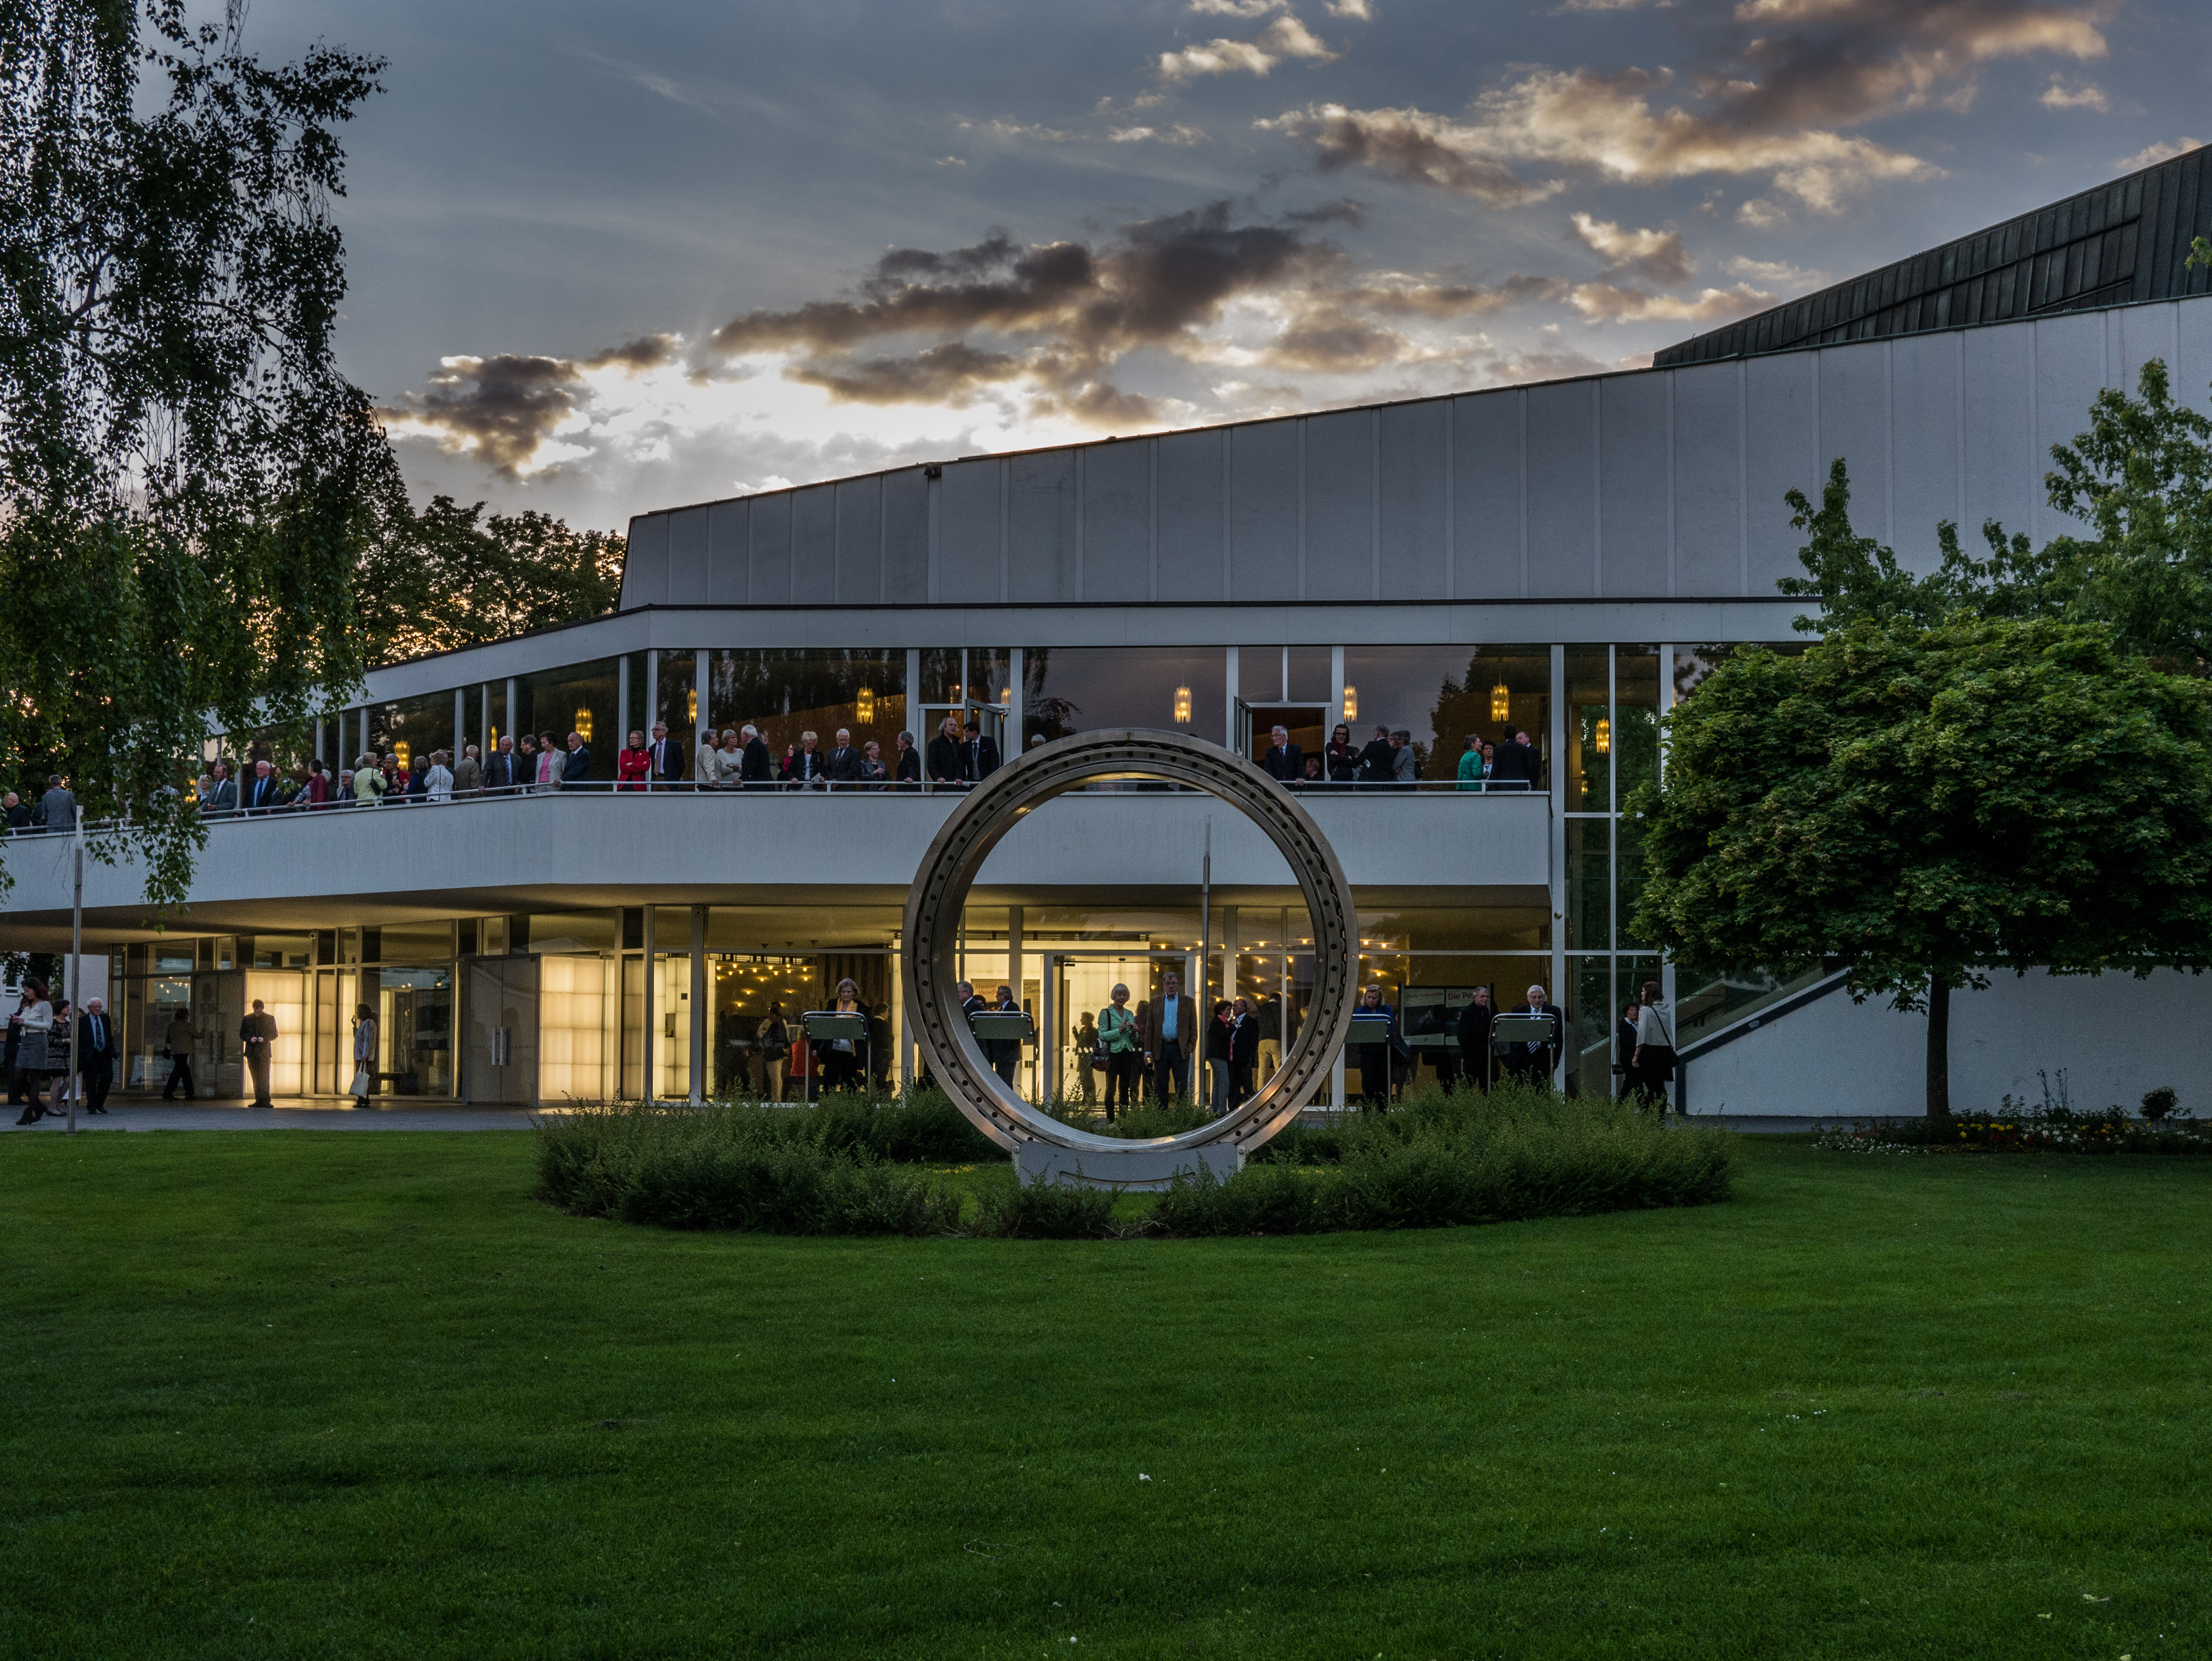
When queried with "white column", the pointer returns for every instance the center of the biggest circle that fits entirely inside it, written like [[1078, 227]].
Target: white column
[[1231, 678], [651, 705], [1557, 760], [460, 722], [621, 736], [646, 1090], [706, 715], [1049, 1021], [1014, 968], [1335, 693], [702, 1016], [513, 718], [1016, 740]]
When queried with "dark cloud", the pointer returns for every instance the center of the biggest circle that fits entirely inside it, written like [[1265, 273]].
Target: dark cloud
[[499, 409], [1345, 210], [949, 375], [645, 352]]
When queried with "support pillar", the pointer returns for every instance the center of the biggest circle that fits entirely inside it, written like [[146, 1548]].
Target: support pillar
[[1555, 761], [652, 1033], [702, 1016]]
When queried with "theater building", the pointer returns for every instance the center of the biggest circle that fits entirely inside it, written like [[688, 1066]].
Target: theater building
[[1565, 559]]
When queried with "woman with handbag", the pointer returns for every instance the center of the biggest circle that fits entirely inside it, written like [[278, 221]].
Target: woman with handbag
[[1651, 1068], [1117, 1046], [36, 1017], [364, 1053]]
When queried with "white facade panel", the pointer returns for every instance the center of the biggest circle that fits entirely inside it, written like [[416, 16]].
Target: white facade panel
[[1633, 485], [1486, 522], [729, 554], [769, 540], [1924, 446], [861, 541], [1043, 562], [2191, 366], [971, 553], [1563, 552], [2004, 470], [1854, 423], [645, 571], [1783, 450], [1340, 506], [1263, 512], [1709, 464], [1117, 510], [1192, 529], [1413, 553], [2071, 359], [687, 557], [906, 538], [814, 545]]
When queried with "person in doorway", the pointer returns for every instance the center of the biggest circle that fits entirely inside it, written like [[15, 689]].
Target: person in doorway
[[982, 754], [1168, 1026], [364, 1054], [841, 1057], [1375, 1059], [96, 1054], [1086, 1041], [1651, 1063], [773, 1038], [1120, 1039], [906, 772], [257, 1036], [633, 763], [1536, 1063], [1284, 762], [947, 764], [180, 1038], [1473, 1034]]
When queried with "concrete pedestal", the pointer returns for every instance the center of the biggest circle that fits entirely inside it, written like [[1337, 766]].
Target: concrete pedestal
[[1134, 1167]]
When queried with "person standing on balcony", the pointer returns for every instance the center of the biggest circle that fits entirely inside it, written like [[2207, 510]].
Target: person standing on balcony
[[468, 773], [948, 762], [982, 755], [261, 788], [707, 762], [1377, 760], [802, 769], [1513, 766], [1168, 1026], [667, 759], [220, 799], [1404, 761], [498, 771], [438, 779], [633, 763], [552, 761], [842, 764], [257, 1036], [906, 771], [368, 782], [1473, 771], [576, 765], [1284, 762], [756, 771], [730, 764], [1341, 756], [57, 807], [872, 770]]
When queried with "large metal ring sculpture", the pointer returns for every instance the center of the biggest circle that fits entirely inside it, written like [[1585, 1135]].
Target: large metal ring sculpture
[[984, 817]]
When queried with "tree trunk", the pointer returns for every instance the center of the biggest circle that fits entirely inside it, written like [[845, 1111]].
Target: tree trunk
[[1939, 1051]]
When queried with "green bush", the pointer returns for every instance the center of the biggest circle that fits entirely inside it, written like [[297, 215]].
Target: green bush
[[1044, 1212]]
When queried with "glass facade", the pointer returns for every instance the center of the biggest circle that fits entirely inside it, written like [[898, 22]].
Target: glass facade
[[787, 694]]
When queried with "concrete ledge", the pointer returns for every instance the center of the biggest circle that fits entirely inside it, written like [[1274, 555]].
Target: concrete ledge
[[1141, 1166]]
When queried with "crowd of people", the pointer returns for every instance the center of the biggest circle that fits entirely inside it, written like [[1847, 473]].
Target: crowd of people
[[744, 759]]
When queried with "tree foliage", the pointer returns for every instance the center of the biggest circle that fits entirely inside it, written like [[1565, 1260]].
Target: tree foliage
[[185, 477], [446, 575]]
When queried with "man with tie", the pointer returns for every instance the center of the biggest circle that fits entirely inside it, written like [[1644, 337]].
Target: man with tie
[[261, 788], [982, 755], [843, 763], [499, 767], [755, 772], [1535, 1063], [667, 759], [947, 764], [96, 1050], [576, 764], [257, 1035], [1284, 762]]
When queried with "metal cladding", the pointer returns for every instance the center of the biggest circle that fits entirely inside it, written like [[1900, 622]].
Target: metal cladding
[[928, 941], [2119, 244]]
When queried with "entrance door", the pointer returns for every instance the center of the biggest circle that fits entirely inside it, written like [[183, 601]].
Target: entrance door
[[500, 1067]]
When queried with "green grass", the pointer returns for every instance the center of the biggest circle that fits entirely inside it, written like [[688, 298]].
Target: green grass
[[357, 1396]]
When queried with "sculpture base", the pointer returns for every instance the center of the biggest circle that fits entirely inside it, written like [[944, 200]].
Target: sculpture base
[[1136, 1166]]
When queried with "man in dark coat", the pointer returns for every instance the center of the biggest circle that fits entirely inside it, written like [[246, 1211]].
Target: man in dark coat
[[982, 755], [1284, 762], [1536, 1063], [1474, 1038], [842, 765], [1379, 762], [666, 757], [947, 762], [1513, 764], [576, 765], [758, 770], [96, 1052]]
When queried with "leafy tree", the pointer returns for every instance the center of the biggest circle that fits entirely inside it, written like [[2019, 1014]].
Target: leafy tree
[[448, 576], [1929, 804], [185, 475]]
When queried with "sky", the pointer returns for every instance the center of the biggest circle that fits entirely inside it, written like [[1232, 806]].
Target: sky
[[607, 259]]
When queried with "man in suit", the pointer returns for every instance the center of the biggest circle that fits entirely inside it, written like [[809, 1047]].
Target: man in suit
[[667, 759], [261, 788], [1284, 762], [257, 1036], [755, 771], [947, 763], [468, 773], [982, 755], [842, 765], [1536, 1063], [96, 1050], [1167, 1027], [1512, 765], [499, 767], [1474, 1038], [181, 1036], [576, 765], [1004, 1055], [1378, 761], [1243, 1051], [221, 798]]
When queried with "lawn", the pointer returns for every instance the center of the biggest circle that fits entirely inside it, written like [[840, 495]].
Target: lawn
[[352, 1395]]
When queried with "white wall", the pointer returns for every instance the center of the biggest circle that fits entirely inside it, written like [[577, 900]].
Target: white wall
[[2115, 1036]]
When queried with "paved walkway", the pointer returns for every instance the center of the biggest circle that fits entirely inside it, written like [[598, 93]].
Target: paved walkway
[[241, 1115]]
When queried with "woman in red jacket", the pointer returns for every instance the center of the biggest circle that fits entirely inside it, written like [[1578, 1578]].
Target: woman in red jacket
[[633, 764]]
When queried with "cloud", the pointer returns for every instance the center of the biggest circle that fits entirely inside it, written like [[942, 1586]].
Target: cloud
[[1049, 323], [1776, 104], [1180, 133], [1774, 271], [1605, 302], [1236, 8], [1030, 131], [1357, 11], [1284, 38], [2087, 96], [499, 410], [1654, 255], [2151, 155], [645, 352]]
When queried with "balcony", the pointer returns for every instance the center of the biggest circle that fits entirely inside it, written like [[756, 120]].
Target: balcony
[[595, 847]]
